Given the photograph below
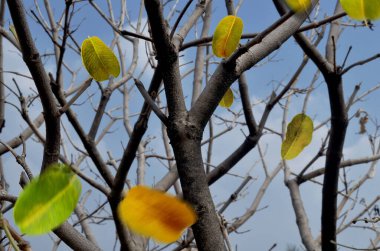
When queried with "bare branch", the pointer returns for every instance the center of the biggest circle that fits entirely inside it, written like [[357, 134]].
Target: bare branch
[[150, 101], [42, 82], [361, 62]]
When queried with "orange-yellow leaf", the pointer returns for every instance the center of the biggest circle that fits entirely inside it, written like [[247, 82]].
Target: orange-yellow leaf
[[227, 99], [298, 5], [155, 214], [227, 36], [362, 9]]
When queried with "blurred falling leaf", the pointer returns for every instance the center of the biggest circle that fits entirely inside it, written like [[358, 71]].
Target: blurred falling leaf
[[227, 36], [99, 59], [362, 122], [298, 5], [227, 99], [362, 9], [298, 135], [155, 214], [47, 201]]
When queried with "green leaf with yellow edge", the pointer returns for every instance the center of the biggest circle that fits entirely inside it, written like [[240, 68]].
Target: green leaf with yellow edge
[[362, 9], [99, 59], [298, 5], [155, 214], [47, 201], [227, 99], [298, 135], [227, 36]]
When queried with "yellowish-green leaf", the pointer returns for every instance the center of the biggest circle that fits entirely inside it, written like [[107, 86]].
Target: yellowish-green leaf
[[298, 135], [362, 9], [13, 31], [227, 36], [47, 201], [227, 99], [99, 59], [298, 5], [155, 214]]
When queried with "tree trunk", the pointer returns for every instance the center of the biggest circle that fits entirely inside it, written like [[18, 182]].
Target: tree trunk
[[186, 141]]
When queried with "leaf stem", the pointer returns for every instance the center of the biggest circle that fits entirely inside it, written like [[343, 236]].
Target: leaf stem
[[4, 225]]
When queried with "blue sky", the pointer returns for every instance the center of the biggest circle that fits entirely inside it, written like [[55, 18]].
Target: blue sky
[[275, 223]]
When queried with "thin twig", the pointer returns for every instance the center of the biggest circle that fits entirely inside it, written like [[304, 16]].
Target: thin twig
[[84, 87], [353, 248], [179, 18], [4, 225], [235, 194], [322, 22], [361, 62], [150, 101], [20, 159]]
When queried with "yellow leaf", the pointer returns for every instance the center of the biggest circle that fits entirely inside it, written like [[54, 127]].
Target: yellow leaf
[[227, 36], [13, 31], [298, 135], [99, 59], [155, 214], [298, 5], [227, 99], [362, 9]]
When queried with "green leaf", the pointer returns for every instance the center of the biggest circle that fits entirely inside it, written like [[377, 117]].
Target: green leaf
[[298, 5], [99, 59], [227, 99], [298, 135], [47, 201], [362, 9], [227, 36]]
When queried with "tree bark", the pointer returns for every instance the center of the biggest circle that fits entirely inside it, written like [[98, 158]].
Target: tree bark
[[51, 113], [33, 61], [186, 139], [339, 124]]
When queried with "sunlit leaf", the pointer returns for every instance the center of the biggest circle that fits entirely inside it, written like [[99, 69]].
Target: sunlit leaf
[[298, 5], [227, 36], [362, 9], [99, 59], [155, 214], [227, 99], [47, 201], [298, 135]]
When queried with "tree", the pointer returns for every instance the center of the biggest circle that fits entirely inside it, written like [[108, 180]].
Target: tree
[[102, 152]]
